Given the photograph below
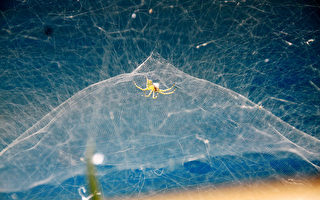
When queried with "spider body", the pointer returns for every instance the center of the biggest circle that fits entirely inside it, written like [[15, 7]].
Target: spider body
[[154, 89]]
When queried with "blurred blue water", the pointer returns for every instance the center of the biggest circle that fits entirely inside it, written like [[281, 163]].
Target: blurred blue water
[[227, 170]]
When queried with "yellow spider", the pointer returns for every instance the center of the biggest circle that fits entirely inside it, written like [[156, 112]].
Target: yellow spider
[[154, 89]]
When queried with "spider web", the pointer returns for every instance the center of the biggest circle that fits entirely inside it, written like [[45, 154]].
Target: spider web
[[138, 133], [66, 75]]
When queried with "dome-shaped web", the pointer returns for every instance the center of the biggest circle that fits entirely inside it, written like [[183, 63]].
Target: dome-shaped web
[[201, 120]]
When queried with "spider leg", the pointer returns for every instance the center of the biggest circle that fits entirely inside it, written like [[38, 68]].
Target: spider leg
[[168, 88], [146, 81], [154, 96], [139, 87], [149, 94], [161, 92]]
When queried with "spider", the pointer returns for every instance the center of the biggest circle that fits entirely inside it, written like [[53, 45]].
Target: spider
[[154, 89]]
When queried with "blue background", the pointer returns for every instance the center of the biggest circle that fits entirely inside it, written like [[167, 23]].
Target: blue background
[[267, 51]]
